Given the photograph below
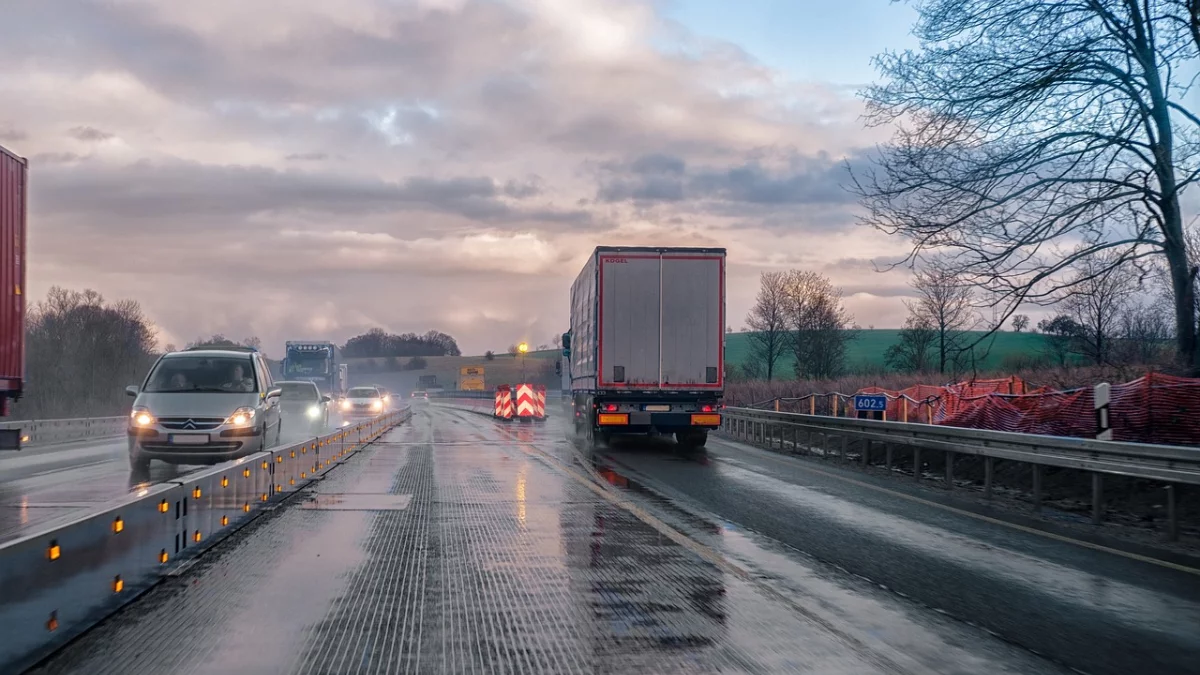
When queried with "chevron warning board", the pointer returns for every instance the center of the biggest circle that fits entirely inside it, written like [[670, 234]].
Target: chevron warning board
[[504, 404]]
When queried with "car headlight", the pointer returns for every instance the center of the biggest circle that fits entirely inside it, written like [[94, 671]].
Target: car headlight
[[242, 417], [141, 417], [313, 411], [377, 405], [345, 404]]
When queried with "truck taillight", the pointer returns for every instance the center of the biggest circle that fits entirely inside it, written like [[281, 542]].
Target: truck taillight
[[610, 407], [706, 408]]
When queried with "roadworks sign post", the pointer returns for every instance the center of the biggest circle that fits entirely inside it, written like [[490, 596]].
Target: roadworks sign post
[[470, 378]]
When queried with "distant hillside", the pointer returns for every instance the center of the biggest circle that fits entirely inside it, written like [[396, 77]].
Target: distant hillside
[[503, 369], [866, 352]]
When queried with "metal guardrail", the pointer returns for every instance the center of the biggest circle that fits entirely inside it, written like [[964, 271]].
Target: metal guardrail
[[1166, 463], [49, 432], [69, 574]]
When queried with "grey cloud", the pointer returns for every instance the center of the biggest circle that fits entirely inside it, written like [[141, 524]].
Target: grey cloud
[[165, 190], [56, 158], [808, 180], [89, 134], [530, 187], [307, 157], [185, 194], [11, 135]]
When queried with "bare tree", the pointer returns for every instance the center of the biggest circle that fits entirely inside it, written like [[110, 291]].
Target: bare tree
[[945, 304], [1145, 336], [768, 322], [916, 348], [1098, 297], [820, 326], [1024, 124], [81, 351], [1020, 322]]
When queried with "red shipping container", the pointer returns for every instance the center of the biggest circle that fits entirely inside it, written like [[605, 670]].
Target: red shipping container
[[13, 213]]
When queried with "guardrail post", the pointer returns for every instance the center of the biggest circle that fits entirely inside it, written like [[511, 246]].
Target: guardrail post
[[916, 463], [989, 466], [1097, 498], [949, 470], [1172, 518], [1037, 487], [866, 453], [1100, 399], [887, 456]]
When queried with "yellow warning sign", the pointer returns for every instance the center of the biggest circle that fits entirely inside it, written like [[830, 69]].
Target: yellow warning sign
[[471, 384], [471, 371]]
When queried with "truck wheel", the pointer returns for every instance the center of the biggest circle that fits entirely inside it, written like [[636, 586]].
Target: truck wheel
[[691, 440]]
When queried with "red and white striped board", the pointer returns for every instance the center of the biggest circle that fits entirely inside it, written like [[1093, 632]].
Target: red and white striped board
[[504, 404], [540, 392]]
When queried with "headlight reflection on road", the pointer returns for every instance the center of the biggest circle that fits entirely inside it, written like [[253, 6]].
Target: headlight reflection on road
[[521, 496]]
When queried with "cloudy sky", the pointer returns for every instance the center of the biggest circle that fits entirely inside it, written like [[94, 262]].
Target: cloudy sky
[[308, 169]]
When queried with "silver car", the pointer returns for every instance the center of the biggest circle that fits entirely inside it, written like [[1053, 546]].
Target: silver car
[[203, 406], [303, 406], [363, 403]]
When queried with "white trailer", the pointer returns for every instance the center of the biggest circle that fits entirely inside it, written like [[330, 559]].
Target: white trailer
[[647, 342]]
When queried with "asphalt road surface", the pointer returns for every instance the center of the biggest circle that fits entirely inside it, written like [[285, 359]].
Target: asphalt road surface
[[461, 544]]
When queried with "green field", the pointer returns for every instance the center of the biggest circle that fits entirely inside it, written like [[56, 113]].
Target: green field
[[865, 353]]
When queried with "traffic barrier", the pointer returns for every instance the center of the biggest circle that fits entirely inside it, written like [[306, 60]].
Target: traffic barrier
[[526, 402], [50, 432], [504, 403], [540, 392], [69, 574], [1167, 463]]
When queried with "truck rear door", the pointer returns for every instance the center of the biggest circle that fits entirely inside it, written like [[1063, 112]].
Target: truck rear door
[[629, 320], [693, 318]]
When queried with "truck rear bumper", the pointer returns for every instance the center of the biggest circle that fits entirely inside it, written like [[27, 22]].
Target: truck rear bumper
[[644, 422]]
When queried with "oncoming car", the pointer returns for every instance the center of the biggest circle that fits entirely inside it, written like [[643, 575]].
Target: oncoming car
[[303, 406], [420, 395], [203, 406], [363, 402]]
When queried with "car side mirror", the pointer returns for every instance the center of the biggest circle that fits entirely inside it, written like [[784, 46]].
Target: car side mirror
[[131, 390], [275, 393], [325, 398]]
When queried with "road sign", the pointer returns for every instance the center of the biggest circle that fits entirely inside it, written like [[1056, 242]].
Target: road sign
[[471, 384], [471, 371], [870, 402]]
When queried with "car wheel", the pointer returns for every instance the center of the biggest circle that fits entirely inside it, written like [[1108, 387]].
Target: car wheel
[[138, 464]]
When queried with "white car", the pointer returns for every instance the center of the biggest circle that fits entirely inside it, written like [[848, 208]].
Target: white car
[[363, 403]]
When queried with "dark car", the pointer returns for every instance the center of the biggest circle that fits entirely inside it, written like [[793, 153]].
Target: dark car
[[303, 406]]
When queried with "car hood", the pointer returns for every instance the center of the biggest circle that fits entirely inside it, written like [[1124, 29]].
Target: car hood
[[200, 404], [298, 405]]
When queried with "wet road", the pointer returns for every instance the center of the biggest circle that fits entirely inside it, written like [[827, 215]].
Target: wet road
[[1098, 611], [461, 544], [41, 485]]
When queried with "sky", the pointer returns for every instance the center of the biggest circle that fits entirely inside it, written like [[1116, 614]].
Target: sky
[[303, 169]]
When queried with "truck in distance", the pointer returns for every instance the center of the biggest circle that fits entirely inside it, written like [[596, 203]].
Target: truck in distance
[[646, 349], [313, 361]]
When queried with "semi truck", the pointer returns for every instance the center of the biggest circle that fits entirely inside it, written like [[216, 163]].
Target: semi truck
[[13, 214], [646, 348], [314, 361]]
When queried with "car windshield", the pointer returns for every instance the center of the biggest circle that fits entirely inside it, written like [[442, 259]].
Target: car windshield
[[298, 391], [202, 374], [363, 392]]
